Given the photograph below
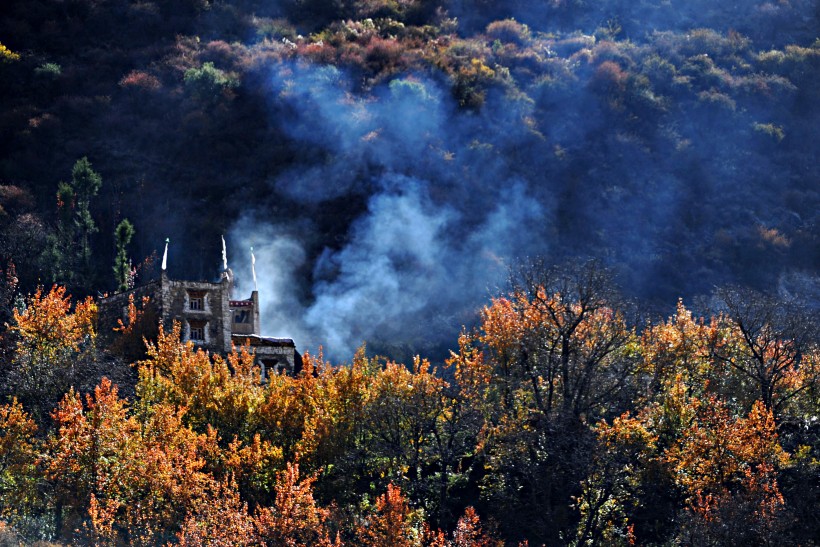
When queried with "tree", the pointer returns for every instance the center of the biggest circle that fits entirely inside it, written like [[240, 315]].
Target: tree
[[18, 456], [8, 290], [774, 346], [214, 391], [223, 522], [683, 349], [561, 356], [85, 463], [609, 493], [85, 184], [391, 523], [404, 410], [69, 252], [728, 469], [208, 83], [122, 264], [50, 339], [561, 337], [122, 479], [294, 519], [141, 324], [225, 400]]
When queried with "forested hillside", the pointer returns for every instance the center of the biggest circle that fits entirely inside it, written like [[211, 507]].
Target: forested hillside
[[394, 164], [556, 421], [379, 153]]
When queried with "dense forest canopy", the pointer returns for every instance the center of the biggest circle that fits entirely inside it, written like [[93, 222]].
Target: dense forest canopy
[[598, 220], [555, 422], [388, 160]]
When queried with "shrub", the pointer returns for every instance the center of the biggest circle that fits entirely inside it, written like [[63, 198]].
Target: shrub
[[274, 29], [208, 82], [319, 52], [7, 55], [509, 31], [771, 130], [49, 70], [573, 44], [705, 73], [383, 55], [222, 53], [140, 80], [377, 8], [718, 99], [608, 77], [610, 51]]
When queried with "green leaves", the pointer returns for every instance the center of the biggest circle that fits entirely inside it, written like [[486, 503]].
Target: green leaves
[[208, 83]]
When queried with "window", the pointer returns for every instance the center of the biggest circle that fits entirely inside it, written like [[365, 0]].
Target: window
[[196, 331], [196, 300], [269, 367]]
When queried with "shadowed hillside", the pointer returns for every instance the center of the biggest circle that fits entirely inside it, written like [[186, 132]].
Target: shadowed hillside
[[378, 154]]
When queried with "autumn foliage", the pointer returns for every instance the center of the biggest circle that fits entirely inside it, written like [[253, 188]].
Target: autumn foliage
[[555, 421]]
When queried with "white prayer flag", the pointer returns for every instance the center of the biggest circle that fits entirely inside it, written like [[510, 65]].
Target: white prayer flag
[[165, 255], [253, 270]]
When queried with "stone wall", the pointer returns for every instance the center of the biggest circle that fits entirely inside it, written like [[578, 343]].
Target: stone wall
[[271, 354], [113, 308], [213, 314]]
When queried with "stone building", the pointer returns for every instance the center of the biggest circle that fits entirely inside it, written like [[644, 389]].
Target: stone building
[[209, 318]]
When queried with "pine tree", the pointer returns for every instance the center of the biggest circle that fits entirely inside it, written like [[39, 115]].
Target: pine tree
[[68, 255], [122, 265]]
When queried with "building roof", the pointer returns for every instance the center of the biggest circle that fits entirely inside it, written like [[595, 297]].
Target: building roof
[[256, 340]]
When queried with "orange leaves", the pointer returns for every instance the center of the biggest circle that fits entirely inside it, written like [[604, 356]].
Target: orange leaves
[[722, 461], [502, 325], [222, 522], [18, 453], [134, 315], [84, 456], [16, 432], [472, 371], [627, 434], [50, 336], [114, 473], [85, 439], [682, 349], [391, 524], [141, 323], [561, 350], [679, 343], [47, 325], [295, 519], [223, 393], [214, 456], [468, 532]]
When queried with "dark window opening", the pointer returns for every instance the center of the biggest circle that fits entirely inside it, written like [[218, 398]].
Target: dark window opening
[[270, 367], [197, 331], [196, 300]]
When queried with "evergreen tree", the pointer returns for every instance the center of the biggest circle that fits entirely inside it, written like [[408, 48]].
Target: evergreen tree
[[122, 265], [86, 183], [68, 255]]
